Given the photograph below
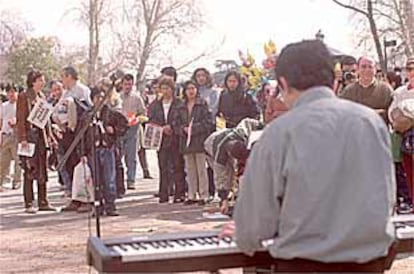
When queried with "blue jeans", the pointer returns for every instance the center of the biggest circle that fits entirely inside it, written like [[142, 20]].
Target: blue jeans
[[105, 176], [129, 149]]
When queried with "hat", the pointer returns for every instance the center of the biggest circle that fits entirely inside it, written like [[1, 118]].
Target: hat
[[410, 61]]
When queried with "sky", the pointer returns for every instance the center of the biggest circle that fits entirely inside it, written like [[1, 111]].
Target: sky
[[245, 25]]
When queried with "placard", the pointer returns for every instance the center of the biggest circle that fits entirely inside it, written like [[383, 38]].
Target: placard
[[152, 136], [40, 114]]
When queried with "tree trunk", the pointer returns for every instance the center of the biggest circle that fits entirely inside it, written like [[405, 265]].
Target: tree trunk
[[408, 14], [375, 36]]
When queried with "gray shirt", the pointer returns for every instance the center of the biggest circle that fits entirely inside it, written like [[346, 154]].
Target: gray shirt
[[320, 181], [132, 103], [80, 92]]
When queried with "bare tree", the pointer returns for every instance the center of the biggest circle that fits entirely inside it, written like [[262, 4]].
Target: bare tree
[[384, 18], [156, 24], [367, 10], [13, 30], [94, 14]]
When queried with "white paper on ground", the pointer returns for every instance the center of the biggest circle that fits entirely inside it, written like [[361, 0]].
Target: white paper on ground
[[215, 216]]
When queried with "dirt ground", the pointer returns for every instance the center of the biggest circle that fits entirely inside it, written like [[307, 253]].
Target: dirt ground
[[55, 242]]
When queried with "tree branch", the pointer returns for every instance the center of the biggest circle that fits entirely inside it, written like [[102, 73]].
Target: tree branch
[[350, 7]]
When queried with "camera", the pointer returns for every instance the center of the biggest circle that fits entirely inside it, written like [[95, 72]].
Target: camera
[[348, 77]]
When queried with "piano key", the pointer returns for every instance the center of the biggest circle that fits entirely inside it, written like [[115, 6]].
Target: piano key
[[180, 242], [162, 244], [136, 246], [141, 245], [154, 244], [170, 243], [208, 240], [200, 241]]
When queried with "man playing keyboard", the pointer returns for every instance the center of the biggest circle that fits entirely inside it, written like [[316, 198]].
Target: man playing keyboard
[[320, 181]]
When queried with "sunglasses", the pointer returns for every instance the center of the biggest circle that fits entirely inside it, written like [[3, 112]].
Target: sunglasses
[[409, 68]]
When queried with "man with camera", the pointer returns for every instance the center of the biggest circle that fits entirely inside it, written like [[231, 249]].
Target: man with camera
[[368, 90], [346, 75]]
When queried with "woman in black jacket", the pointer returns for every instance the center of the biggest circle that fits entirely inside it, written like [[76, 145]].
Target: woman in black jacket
[[235, 104], [193, 124]]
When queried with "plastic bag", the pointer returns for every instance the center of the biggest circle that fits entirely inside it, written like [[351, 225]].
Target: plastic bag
[[82, 187]]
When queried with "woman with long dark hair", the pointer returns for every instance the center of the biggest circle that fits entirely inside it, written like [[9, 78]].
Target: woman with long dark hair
[[235, 103], [193, 124]]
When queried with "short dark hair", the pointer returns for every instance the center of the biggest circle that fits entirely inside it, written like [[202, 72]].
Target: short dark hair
[[306, 64], [53, 82], [170, 71], [32, 76], [128, 77], [348, 60], [186, 84], [71, 71], [393, 77], [11, 86], [167, 82]]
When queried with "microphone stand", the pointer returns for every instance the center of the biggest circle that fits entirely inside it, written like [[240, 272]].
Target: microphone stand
[[90, 120]]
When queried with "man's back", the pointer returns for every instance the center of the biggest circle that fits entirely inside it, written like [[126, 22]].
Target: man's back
[[322, 175]]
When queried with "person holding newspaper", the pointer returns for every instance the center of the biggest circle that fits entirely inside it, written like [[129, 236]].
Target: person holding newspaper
[[28, 135]]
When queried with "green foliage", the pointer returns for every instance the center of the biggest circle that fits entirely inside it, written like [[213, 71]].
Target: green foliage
[[37, 53]]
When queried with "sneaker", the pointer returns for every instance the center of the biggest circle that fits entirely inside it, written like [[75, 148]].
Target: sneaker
[[405, 208], [163, 201], [72, 206], [16, 185], [30, 210], [112, 213], [190, 202], [178, 200], [46, 207]]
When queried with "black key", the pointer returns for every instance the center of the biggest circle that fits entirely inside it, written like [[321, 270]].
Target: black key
[[162, 244], [141, 245], [208, 240], [136, 246], [123, 247], [169, 243], [188, 242], [181, 242], [154, 244], [200, 241]]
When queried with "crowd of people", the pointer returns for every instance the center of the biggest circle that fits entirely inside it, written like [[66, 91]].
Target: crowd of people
[[205, 131]]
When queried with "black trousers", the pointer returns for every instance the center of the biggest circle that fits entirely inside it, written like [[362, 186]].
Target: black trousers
[[164, 154]]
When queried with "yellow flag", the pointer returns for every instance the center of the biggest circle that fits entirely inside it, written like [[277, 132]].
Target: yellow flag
[[220, 123]]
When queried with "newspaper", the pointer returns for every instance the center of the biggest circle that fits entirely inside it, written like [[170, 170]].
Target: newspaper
[[40, 114], [27, 151], [152, 136]]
